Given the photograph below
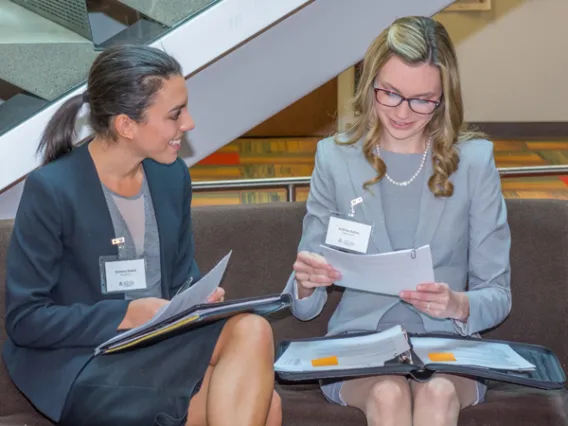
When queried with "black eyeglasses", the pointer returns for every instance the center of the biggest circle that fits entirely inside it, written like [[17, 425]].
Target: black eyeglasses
[[392, 99]]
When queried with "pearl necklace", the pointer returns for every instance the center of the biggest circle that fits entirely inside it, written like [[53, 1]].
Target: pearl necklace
[[409, 181]]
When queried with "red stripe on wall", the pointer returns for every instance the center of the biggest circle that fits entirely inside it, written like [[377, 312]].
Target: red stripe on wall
[[221, 159]]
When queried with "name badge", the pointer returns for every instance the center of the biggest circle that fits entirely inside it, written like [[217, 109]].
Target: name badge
[[125, 275], [348, 234]]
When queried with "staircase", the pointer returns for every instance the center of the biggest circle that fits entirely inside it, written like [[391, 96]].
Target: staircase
[[245, 61]]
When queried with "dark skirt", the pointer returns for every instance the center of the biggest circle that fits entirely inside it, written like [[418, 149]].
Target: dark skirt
[[149, 386]]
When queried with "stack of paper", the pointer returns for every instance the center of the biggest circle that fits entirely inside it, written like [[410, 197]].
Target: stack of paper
[[473, 353], [371, 350]]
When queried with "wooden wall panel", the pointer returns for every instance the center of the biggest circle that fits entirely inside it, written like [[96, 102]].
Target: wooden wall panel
[[313, 115]]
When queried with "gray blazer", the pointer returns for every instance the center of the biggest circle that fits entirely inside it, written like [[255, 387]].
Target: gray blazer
[[468, 235]]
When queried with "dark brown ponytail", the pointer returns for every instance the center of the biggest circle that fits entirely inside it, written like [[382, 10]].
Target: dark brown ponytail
[[57, 139], [122, 80]]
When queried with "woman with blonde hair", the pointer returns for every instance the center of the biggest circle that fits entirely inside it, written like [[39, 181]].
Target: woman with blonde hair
[[414, 171]]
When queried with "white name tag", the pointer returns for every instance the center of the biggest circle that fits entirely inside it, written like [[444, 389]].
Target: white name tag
[[125, 275], [348, 234]]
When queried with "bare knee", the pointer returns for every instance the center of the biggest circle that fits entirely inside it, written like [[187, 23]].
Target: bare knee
[[275, 412], [253, 328], [387, 396], [252, 332], [439, 395]]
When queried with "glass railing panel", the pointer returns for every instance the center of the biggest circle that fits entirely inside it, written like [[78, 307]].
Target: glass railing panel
[[48, 46], [168, 12]]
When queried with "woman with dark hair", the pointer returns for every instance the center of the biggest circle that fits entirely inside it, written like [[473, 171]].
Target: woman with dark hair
[[122, 201]]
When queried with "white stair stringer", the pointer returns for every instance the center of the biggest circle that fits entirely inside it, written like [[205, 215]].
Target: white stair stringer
[[251, 83]]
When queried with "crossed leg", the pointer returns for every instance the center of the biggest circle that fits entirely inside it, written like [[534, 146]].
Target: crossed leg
[[238, 386]]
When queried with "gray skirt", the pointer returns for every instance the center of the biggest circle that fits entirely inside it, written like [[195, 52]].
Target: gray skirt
[[332, 391]]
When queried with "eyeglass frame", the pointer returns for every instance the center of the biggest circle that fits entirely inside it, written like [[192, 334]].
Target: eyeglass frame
[[403, 99]]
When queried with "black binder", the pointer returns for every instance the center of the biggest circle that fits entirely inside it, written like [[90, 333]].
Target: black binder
[[196, 316], [548, 373]]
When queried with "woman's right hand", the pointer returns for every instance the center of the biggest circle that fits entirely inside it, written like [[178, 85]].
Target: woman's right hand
[[311, 271], [140, 311]]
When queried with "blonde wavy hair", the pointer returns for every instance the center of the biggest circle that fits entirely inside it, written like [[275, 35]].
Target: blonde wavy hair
[[415, 40]]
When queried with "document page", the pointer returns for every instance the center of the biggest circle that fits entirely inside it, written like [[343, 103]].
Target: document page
[[259, 306], [385, 273], [197, 293], [469, 352], [194, 295], [372, 350]]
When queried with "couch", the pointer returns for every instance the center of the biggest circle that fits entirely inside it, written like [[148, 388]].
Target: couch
[[264, 240]]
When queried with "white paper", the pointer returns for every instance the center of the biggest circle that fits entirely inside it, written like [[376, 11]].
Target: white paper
[[385, 273], [372, 350], [196, 294], [471, 353], [255, 306], [348, 234]]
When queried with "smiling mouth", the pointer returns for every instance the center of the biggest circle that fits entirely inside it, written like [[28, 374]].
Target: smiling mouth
[[175, 142], [400, 123]]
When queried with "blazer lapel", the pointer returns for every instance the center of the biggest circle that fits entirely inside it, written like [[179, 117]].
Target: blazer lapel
[[158, 191], [360, 172], [96, 214], [431, 209]]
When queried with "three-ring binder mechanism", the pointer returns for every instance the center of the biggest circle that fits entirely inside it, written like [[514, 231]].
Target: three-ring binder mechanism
[[396, 352]]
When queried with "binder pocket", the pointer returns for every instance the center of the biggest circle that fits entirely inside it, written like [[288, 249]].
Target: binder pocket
[[548, 373], [195, 316]]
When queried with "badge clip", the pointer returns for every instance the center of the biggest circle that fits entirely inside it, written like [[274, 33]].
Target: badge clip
[[117, 241], [355, 202]]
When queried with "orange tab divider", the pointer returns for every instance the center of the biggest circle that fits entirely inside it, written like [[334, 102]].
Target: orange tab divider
[[441, 356], [325, 362]]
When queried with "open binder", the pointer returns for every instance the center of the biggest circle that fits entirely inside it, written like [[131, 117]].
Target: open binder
[[394, 352], [195, 316]]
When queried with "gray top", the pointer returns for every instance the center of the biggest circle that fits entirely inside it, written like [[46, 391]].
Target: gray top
[[401, 206], [468, 235], [133, 218]]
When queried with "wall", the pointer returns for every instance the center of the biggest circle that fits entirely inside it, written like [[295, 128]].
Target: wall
[[312, 115], [511, 63], [512, 60]]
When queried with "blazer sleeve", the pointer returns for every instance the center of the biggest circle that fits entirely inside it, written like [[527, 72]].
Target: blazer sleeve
[[489, 281], [321, 201], [185, 269], [34, 256]]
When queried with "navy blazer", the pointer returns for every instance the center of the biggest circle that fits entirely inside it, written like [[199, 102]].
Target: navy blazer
[[56, 313]]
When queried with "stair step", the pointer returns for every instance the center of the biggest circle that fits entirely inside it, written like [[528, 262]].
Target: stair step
[[17, 109], [168, 12], [46, 70]]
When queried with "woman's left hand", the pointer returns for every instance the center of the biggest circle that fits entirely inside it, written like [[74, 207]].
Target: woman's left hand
[[438, 300], [217, 296]]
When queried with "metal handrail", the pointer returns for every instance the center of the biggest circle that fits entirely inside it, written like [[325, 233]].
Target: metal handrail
[[292, 183]]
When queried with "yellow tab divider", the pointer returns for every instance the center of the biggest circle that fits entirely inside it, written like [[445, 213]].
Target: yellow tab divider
[[441, 356], [325, 362]]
